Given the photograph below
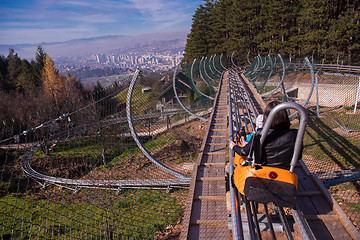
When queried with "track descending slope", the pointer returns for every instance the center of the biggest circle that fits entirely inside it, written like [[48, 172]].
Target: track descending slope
[[316, 215], [206, 214]]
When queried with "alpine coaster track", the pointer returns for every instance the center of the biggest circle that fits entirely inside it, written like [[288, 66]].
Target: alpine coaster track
[[215, 209]]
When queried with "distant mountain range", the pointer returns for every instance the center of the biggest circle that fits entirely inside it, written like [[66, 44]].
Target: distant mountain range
[[88, 46]]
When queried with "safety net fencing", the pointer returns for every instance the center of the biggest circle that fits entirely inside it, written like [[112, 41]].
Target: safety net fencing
[[75, 171]]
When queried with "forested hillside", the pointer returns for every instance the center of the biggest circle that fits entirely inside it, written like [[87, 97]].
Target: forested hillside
[[303, 27], [34, 90], [27, 87]]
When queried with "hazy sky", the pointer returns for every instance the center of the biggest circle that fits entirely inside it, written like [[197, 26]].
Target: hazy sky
[[37, 21]]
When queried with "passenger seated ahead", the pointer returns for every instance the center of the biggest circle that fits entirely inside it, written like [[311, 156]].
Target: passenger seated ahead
[[278, 147]]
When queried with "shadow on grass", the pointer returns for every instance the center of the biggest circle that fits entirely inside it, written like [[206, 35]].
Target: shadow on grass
[[333, 144]]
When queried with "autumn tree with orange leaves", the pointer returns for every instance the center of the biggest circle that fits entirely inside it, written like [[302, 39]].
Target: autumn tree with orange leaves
[[56, 86], [52, 81]]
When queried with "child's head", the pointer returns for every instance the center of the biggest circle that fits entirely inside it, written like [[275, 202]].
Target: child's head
[[259, 121]]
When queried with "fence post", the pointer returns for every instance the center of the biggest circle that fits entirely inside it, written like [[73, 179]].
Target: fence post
[[167, 122], [357, 96], [317, 94]]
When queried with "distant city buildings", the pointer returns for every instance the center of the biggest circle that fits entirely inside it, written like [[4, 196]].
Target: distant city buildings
[[152, 62], [153, 56], [144, 61]]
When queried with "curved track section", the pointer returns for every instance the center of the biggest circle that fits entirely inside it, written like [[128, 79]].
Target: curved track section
[[215, 66], [281, 83], [180, 179], [208, 76], [221, 63], [177, 98], [78, 183], [202, 76], [232, 60], [136, 138], [268, 70], [192, 79], [269, 75], [211, 63]]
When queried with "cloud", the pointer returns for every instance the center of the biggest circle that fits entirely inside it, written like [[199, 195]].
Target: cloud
[[59, 20], [93, 18], [164, 14], [147, 6], [110, 7], [32, 35], [158, 10]]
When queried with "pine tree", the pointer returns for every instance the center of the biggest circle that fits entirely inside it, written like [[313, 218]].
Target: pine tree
[[197, 43], [3, 72], [27, 80], [312, 27], [344, 32], [278, 19], [327, 27], [39, 62], [13, 70], [242, 27], [216, 27]]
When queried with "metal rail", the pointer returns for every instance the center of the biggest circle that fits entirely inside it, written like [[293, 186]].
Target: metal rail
[[281, 83], [232, 60], [208, 76], [221, 63], [30, 172], [135, 137], [177, 97], [202, 77], [211, 62], [237, 228], [215, 66], [192, 79]]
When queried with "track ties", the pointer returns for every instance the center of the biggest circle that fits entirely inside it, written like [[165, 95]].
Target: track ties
[[211, 179], [224, 137], [219, 124], [214, 153], [210, 198], [219, 130], [210, 222], [212, 165], [216, 144]]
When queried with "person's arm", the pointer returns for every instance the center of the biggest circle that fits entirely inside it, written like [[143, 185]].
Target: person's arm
[[242, 151]]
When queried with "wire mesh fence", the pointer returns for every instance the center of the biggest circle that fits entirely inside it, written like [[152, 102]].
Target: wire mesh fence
[[74, 171]]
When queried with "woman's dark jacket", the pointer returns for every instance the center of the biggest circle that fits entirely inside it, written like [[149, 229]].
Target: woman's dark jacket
[[277, 150]]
